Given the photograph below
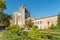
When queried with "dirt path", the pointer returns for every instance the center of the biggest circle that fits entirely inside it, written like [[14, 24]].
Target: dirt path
[[0, 35]]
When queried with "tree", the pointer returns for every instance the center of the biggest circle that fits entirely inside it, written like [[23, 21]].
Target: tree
[[35, 27], [34, 33], [5, 19], [2, 5], [29, 23], [53, 27], [2, 15], [58, 21]]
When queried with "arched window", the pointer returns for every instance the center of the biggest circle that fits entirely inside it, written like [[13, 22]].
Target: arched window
[[40, 22], [48, 22]]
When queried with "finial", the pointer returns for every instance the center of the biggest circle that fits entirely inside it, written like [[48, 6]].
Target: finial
[[22, 6]]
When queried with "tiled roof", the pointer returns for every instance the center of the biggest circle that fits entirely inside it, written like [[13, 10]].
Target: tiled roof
[[44, 17]]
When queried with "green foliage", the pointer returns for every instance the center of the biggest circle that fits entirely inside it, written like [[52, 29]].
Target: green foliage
[[58, 21], [2, 5], [35, 27], [58, 24], [29, 23], [5, 19], [54, 27], [7, 35], [55, 37], [13, 32], [44, 36], [34, 33]]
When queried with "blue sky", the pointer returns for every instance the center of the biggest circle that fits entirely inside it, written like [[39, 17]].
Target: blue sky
[[37, 8]]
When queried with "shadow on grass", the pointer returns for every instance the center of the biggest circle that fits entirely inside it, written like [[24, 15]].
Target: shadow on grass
[[2, 27]]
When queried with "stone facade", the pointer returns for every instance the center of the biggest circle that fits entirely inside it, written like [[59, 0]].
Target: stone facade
[[45, 22], [19, 16]]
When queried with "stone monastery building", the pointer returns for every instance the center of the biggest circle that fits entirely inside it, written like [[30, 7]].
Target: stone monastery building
[[19, 17]]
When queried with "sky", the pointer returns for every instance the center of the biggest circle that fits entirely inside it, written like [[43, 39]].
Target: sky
[[36, 8]]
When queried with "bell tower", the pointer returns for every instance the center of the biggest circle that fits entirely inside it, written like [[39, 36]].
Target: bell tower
[[21, 15], [24, 13]]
